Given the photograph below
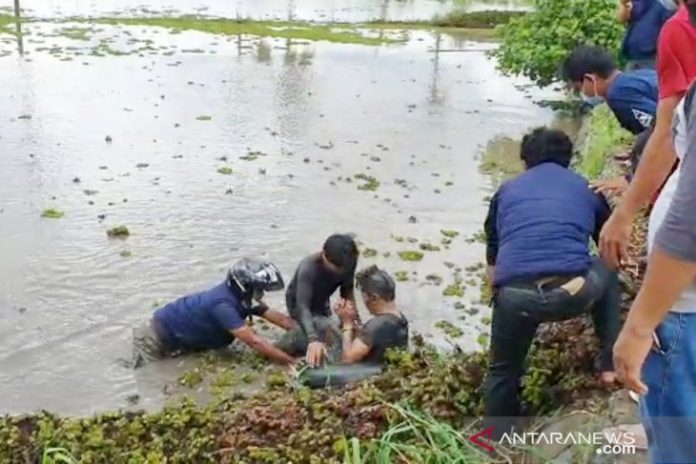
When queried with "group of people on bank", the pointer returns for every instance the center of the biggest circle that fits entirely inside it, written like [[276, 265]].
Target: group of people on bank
[[214, 318], [538, 232], [540, 223]]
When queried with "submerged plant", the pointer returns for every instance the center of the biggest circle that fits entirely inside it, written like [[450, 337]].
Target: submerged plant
[[225, 171], [449, 329], [370, 183]]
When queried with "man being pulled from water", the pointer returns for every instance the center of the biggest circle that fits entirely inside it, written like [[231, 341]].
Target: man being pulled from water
[[316, 279], [538, 231], [388, 328], [215, 318]]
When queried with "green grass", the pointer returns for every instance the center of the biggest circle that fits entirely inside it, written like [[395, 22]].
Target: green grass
[[57, 456], [415, 436], [605, 135], [338, 33]]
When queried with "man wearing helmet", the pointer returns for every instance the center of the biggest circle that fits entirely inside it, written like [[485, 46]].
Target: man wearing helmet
[[214, 318], [317, 277]]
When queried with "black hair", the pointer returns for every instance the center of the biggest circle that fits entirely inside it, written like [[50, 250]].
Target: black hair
[[544, 145], [374, 281], [342, 252], [587, 60]]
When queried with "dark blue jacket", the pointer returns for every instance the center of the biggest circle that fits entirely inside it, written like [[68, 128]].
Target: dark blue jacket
[[540, 223], [201, 321], [647, 18], [632, 96]]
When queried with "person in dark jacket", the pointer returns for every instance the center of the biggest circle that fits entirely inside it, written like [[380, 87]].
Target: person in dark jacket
[[631, 95], [644, 20], [214, 318], [538, 232], [317, 277]]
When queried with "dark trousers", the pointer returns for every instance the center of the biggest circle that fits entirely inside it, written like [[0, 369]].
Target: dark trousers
[[517, 312]]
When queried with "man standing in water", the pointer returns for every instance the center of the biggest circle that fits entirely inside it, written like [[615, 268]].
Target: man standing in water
[[214, 318], [316, 279]]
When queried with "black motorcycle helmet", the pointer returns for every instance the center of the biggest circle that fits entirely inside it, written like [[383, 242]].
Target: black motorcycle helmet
[[250, 278]]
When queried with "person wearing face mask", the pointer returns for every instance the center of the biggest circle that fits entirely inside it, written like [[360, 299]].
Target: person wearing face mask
[[214, 318], [631, 95]]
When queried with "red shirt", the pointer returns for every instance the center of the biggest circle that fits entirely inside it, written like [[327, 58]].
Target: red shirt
[[676, 55]]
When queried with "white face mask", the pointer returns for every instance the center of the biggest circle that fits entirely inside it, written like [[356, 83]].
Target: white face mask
[[594, 100]]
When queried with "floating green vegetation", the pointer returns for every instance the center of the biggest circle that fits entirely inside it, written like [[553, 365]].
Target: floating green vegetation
[[479, 237], [398, 238], [126, 254], [429, 247], [434, 279], [370, 183], [449, 233], [191, 378], [401, 276], [276, 380], [449, 329], [225, 171], [7, 23], [52, 213], [118, 231], [204, 117], [411, 255], [252, 156], [483, 340], [369, 253], [248, 377], [76, 33], [454, 289], [486, 320], [338, 33]]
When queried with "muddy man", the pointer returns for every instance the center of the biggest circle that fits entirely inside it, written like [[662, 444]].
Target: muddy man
[[214, 318]]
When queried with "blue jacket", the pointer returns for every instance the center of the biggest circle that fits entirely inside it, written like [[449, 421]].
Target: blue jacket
[[201, 321], [632, 96], [647, 18], [540, 223]]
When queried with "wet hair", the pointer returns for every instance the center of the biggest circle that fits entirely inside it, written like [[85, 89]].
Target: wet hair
[[587, 60], [544, 145], [374, 281], [341, 251]]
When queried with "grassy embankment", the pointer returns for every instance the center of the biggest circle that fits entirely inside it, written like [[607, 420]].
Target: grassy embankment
[[474, 26]]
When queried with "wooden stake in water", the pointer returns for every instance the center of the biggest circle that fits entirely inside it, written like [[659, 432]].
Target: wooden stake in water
[[18, 22], [16, 6]]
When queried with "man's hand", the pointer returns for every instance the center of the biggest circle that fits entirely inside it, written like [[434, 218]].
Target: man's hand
[[630, 352], [615, 238], [315, 353], [616, 186], [346, 311]]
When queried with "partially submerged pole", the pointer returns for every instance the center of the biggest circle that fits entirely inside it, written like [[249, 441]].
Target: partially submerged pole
[[18, 25]]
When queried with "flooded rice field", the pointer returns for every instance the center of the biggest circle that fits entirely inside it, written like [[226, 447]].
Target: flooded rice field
[[305, 10], [212, 147]]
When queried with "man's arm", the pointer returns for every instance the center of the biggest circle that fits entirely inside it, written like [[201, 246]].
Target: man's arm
[[602, 214], [354, 349], [281, 320], [654, 167], [490, 228], [304, 304], [257, 343]]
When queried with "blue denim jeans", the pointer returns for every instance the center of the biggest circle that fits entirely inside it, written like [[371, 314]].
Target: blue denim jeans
[[668, 411]]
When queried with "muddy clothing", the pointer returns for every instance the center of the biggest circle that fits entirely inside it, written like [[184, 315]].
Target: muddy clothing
[[200, 321], [382, 332], [295, 342], [309, 292], [539, 225]]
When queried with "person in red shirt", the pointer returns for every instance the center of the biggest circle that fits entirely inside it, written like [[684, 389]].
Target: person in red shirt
[[676, 69]]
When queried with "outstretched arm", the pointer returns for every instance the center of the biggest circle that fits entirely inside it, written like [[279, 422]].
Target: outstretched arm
[[281, 320], [257, 343]]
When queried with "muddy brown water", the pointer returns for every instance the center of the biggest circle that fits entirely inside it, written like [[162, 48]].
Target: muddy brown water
[[317, 111], [305, 10]]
